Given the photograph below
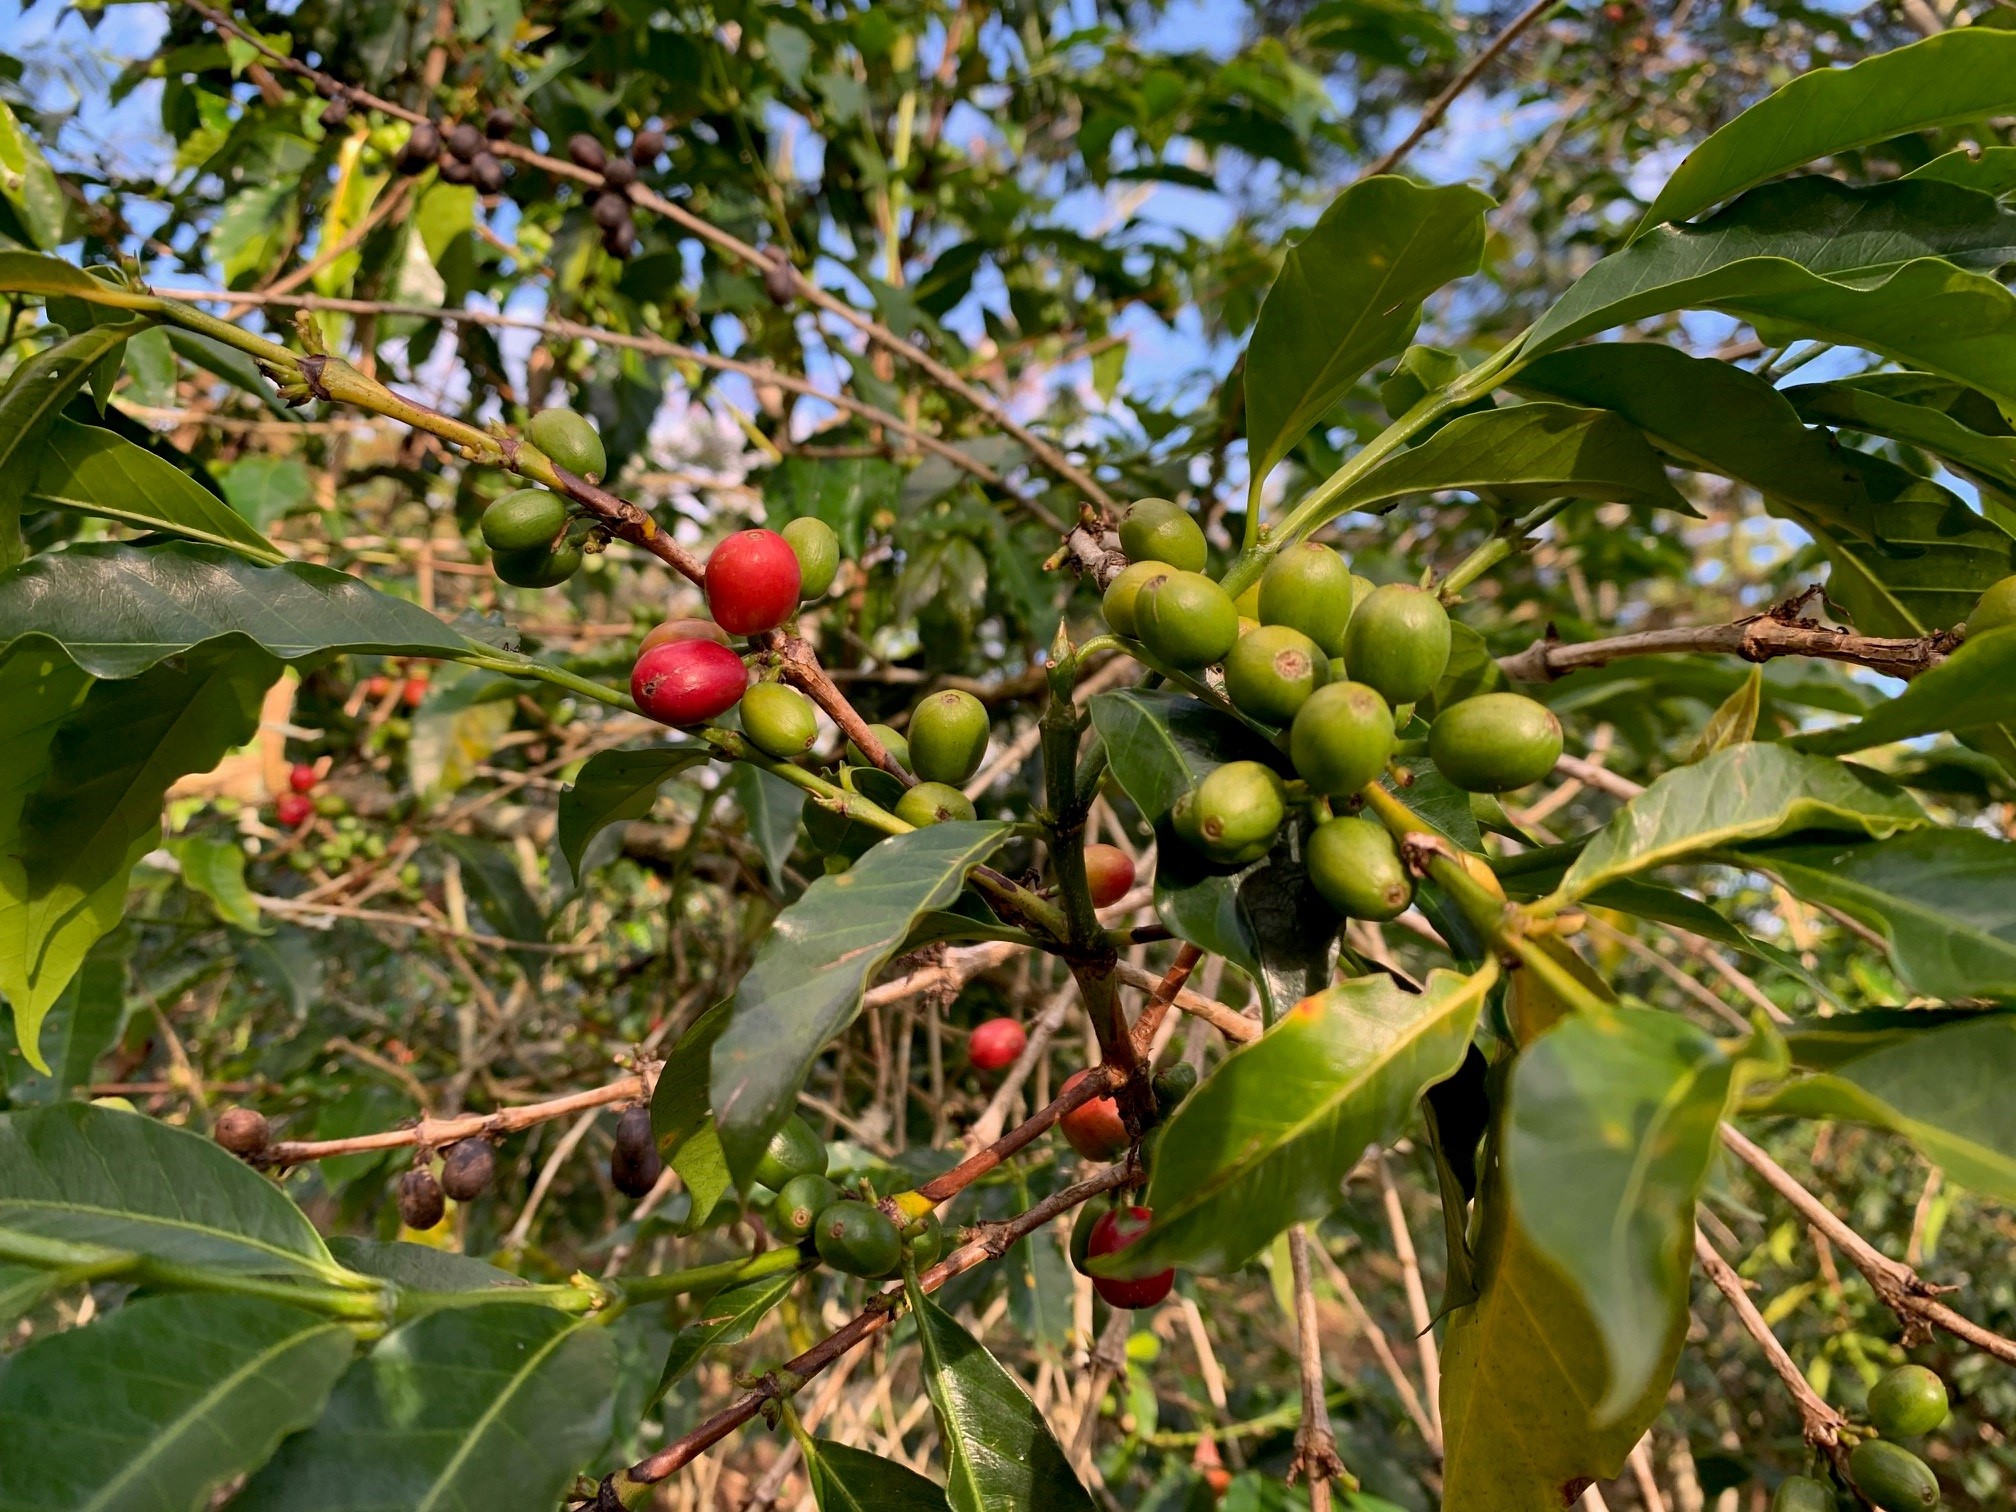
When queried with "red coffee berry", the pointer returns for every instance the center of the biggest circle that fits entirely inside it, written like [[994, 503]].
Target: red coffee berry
[[1111, 873], [413, 691], [752, 582], [996, 1044], [1094, 1129], [688, 682], [681, 630], [301, 777], [1115, 1230], [376, 688], [294, 810]]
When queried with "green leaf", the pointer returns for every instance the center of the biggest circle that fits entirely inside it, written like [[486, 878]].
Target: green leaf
[[1607, 1142], [1349, 296], [31, 273], [1267, 919], [1991, 459], [29, 184], [1960, 75], [420, 1266], [97, 1176], [1746, 793], [1991, 170], [999, 1452], [500, 892], [853, 1480], [681, 1119], [482, 1409], [118, 610], [1267, 1138], [1162, 744], [1945, 1088], [771, 807], [1974, 686], [92, 471], [262, 489], [727, 1317], [82, 1026], [806, 981], [215, 867], [154, 1407], [1734, 721], [1944, 900], [615, 786]]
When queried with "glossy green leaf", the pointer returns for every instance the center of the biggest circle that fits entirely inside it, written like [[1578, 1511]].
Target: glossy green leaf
[[1734, 720], [1974, 686], [82, 1026], [999, 1452], [1991, 458], [94, 472], [1161, 744], [1266, 1139], [771, 807], [806, 981], [98, 1176], [1957, 76], [1746, 793], [215, 867], [420, 1266], [481, 1409], [615, 786], [853, 1480], [31, 273], [1607, 1142], [1349, 296], [681, 1119], [727, 1317], [154, 1407], [1992, 170], [1944, 900]]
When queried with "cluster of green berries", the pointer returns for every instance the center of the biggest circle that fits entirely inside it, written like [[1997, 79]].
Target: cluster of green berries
[[535, 539], [1907, 1402], [851, 1235], [1328, 659]]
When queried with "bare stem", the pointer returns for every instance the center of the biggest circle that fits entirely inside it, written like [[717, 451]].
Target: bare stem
[[1754, 640], [1822, 1424], [1315, 1443]]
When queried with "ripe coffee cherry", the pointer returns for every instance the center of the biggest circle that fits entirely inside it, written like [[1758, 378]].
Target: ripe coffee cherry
[[634, 1163], [1307, 587], [924, 1239], [1341, 738], [948, 736], [570, 441], [930, 803], [1109, 872], [243, 1131], [818, 551], [539, 567], [488, 173], [1495, 742], [799, 1204], [1994, 609], [1155, 530], [1271, 672], [779, 721], [647, 146], [859, 1239], [413, 692], [1907, 1401], [301, 777], [1354, 864], [1094, 1129], [293, 810], [377, 687], [525, 519], [420, 1204], [688, 682], [499, 125], [467, 1167], [1186, 620], [465, 141], [996, 1045], [1123, 596], [1398, 642], [586, 152], [682, 630], [893, 741], [794, 1150], [752, 582], [1802, 1493], [1115, 1230], [1233, 815], [1893, 1478]]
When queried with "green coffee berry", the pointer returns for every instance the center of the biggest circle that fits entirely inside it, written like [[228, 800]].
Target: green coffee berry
[[779, 721], [1398, 642], [1308, 587], [570, 441], [858, 1238], [1354, 864], [1122, 596], [1155, 530], [528, 519], [1342, 738], [1270, 672], [948, 736], [1186, 620], [931, 803], [794, 1150], [818, 552], [1495, 742]]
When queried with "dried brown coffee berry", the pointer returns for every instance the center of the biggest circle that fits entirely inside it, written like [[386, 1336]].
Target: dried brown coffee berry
[[620, 174], [489, 173], [634, 1165], [586, 152], [780, 282], [243, 1131], [465, 141], [455, 171], [335, 113], [500, 124], [609, 211], [467, 1167], [420, 1202], [647, 145]]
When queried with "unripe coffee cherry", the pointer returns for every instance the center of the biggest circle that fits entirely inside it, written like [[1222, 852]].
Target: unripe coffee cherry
[[1114, 1231], [243, 1131], [1893, 1478], [752, 582], [1171, 1086], [499, 125], [930, 803], [1994, 609], [293, 810], [924, 1238], [1109, 872], [818, 551], [1307, 587], [538, 567], [488, 173], [779, 721], [1354, 864], [1907, 1401], [635, 1164], [996, 1045], [1398, 642], [1233, 815], [526, 519], [858, 1239], [1271, 671], [467, 1167], [420, 1203], [688, 682], [647, 146], [1094, 1129], [799, 1204], [586, 152], [895, 742], [948, 736], [682, 630], [465, 141], [1802, 1493], [570, 440], [1495, 742], [1186, 620], [1341, 739], [301, 777], [1156, 530], [1123, 596], [794, 1150]]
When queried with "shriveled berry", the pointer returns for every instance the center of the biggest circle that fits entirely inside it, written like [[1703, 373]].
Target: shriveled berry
[[1495, 742], [1354, 864], [1307, 587], [243, 1131], [1341, 739], [635, 1164], [586, 152], [1115, 1230], [488, 173], [799, 1204], [687, 682], [1802, 1493], [539, 567], [859, 1239], [525, 519], [620, 240], [467, 1169], [1094, 1129], [420, 1202], [794, 1150], [1907, 1401], [930, 803], [609, 211], [570, 440], [293, 810], [1271, 671], [779, 721], [301, 777], [893, 741], [1122, 596], [996, 1045], [1398, 642], [948, 736], [1109, 872], [1994, 609], [1157, 530], [465, 141], [1186, 620], [680, 630], [1234, 812], [818, 550], [752, 582], [780, 280], [1893, 1478], [423, 145], [500, 124], [647, 146]]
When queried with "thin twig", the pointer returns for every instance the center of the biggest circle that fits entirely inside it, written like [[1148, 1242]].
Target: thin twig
[[1417, 1294], [1439, 106], [435, 1133], [1315, 1443], [1382, 1349], [1754, 640], [1822, 1424]]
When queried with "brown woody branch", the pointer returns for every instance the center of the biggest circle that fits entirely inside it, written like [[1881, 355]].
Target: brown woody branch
[[1754, 640], [1822, 1423], [433, 1133]]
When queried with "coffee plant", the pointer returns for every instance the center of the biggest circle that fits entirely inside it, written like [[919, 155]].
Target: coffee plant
[[810, 885]]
